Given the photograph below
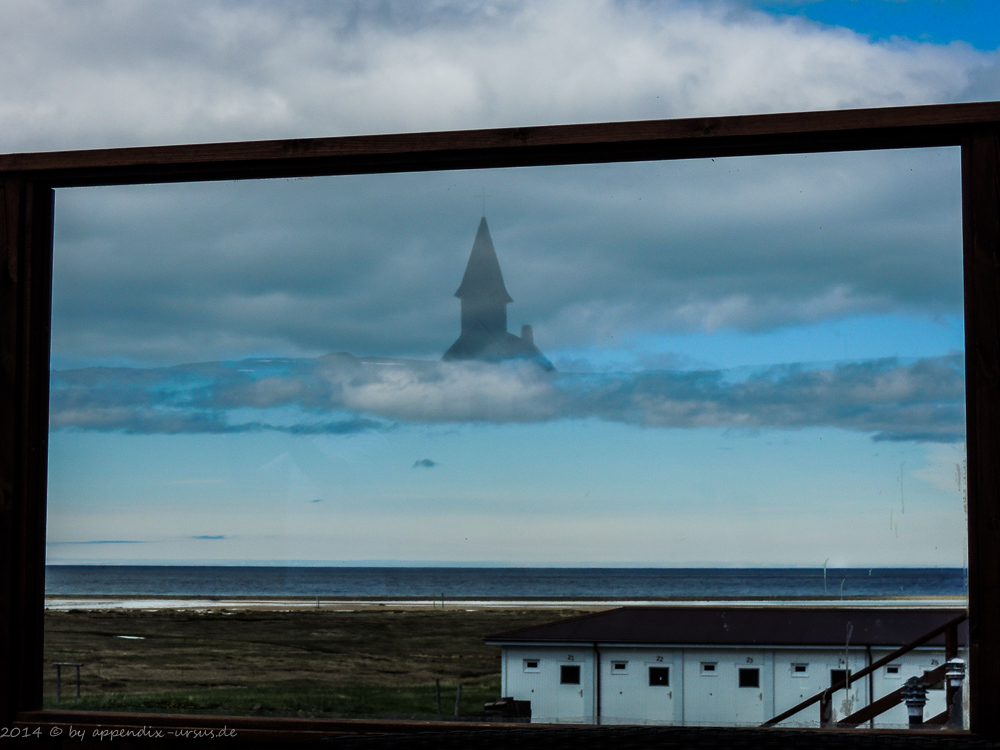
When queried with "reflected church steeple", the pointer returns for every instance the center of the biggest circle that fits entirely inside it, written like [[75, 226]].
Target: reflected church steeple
[[484, 300]]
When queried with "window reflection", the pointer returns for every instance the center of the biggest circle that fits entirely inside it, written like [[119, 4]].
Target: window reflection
[[333, 394]]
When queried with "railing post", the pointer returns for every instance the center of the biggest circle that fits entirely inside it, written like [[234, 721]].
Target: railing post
[[956, 709], [915, 697], [826, 710]]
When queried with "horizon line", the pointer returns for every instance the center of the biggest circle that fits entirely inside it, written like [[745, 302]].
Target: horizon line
[[480, 564]]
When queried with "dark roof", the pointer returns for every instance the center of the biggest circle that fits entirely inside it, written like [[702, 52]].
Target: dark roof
[[733, 626], [482, 273]]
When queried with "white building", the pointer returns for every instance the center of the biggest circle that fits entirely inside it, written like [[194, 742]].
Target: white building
[[717, 666]]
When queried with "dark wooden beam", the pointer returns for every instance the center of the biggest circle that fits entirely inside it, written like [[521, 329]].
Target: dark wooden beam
[[702, 137], [25, 313], [981, 221], [26, 206]]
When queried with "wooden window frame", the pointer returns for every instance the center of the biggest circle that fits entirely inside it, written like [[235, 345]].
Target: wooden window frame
[[28, 182]]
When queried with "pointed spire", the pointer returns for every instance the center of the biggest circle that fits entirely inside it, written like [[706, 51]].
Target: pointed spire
[[483, 279]]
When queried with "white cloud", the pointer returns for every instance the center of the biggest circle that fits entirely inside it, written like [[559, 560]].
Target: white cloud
[[130, 72], [339, 394]]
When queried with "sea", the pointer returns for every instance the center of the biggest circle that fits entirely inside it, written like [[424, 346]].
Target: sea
[[510, 583]]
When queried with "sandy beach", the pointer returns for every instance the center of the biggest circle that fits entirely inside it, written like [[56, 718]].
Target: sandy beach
[[98, 602]]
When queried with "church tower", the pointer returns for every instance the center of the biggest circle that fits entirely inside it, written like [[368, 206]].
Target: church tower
[[484, 311], [482, 291]]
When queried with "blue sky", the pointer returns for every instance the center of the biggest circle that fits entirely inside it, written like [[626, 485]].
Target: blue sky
[[974, 22], [758, 360]]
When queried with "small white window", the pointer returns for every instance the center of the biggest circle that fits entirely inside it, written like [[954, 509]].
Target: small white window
[[892, 670], [708, 667], [531, 665], [800, 670], [619, 667]]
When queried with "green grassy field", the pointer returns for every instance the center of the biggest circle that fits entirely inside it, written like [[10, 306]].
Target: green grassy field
[[369, 662]]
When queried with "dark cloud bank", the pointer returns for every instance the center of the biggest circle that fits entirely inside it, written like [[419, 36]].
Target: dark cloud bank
[[891, 399], [591, 254]]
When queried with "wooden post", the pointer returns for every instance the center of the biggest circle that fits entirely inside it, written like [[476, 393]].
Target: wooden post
[[826, 710], [871, 685], [437, 687], [25, 315], [955, 675], [951, 643], [458, 698], [951, 652], [981, 239], [59, 665]]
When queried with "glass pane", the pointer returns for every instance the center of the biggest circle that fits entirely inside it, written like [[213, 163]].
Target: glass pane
[[313, 441]]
